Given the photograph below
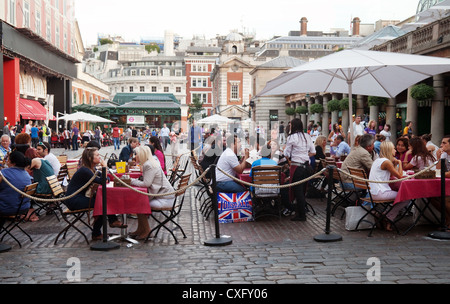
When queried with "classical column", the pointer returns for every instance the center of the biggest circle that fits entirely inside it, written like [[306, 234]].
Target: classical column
[[390, 117], [325, 116], [437, 110], [411, 111], [360, 105]]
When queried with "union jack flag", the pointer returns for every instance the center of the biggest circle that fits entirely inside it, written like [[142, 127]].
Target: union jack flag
[[235, 207]]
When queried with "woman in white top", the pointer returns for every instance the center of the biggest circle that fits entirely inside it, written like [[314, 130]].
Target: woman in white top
[[382, 169], [156, 181], [299, 148]]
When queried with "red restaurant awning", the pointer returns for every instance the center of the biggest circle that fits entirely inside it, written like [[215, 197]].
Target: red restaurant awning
[[32, 109]]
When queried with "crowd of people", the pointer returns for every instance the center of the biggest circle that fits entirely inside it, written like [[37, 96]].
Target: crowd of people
[[296, 149]]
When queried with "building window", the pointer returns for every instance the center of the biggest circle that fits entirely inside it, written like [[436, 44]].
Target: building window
[[178, 73], [198, 82], [49, 29], [202, 97], [131, 89], [142, 89], [154, 90], [38, 21], [153, 72], [178, 89], [26, 14], [166, 89], [12, 12], [143, 73], [234, 92]]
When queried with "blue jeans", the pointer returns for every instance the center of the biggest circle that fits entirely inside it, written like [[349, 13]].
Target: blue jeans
[[230, 187], [116, 141], [75, 142]]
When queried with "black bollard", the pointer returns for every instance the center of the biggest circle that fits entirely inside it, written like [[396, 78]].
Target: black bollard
[[327, 236], [443, 234], [104, 245], [219, 240]]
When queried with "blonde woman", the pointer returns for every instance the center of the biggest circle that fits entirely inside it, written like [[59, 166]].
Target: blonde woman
[[382, 170], [156, 182], [371, 128]]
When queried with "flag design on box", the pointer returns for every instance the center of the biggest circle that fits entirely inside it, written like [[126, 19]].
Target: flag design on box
[[235, 207]]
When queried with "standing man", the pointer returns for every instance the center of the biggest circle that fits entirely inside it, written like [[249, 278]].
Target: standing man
[[358, 129], [195, 135], [34, 136], [116, 137], [408, 129], [165, 136], [75, 133], [66, 135], [28, 127], [282, 140], [6, 129]]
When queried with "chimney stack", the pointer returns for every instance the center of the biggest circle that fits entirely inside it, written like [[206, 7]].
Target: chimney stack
[[356, 21], [303, 26]]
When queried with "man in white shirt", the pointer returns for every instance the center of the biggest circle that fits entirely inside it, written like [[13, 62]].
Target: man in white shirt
[[358, 128], [43, 149], [165, 131], [229, 163]]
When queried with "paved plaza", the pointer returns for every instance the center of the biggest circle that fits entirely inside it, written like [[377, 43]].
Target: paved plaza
[[267, 251]]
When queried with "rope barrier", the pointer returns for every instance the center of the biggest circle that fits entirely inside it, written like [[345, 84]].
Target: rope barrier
[[162, 194], [273, 187], [50, 200], [389, 181]]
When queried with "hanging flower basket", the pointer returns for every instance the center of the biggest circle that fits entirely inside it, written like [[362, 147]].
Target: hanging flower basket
[[343, 103], [290, 111], [301, 110], [377, 101]]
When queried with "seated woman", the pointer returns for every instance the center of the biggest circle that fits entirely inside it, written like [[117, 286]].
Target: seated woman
[[40, 169], [19, 178], [421, 157], [382, 170], [403, 152], [23, 144], [154, 141], [89, 160], [156, 181]]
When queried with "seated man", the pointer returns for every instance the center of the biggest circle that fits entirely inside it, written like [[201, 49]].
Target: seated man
[[360, 157], [229, 163], [127, 151], [339, 147]]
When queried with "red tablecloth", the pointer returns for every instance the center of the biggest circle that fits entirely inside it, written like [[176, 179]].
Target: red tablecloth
[[122, 200], [420, 188], [339, 164], [119, 175]]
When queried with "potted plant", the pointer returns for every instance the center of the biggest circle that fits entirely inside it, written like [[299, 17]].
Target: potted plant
[[316, 108], [343, 104], [290, 111], [301, 110], [422, 92], [377, 101], [333, 105]]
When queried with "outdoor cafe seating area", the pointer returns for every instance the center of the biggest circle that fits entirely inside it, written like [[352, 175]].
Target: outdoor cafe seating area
[[59, 227]]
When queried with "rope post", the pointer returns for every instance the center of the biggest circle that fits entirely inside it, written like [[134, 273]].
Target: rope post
[[327, 236], [219, 240], [104, 245], [443, 234]]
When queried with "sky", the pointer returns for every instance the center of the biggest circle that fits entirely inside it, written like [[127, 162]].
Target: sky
[[136, 19]]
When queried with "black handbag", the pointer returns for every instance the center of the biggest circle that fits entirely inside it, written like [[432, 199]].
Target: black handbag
[[112, 160]]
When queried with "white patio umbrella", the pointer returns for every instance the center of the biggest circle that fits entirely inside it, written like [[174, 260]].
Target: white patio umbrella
[[369, 73], [84, 117], [215, 119]]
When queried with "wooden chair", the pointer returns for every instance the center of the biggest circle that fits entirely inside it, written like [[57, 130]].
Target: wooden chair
[[72, 217], [18, 218], [266, 200], [342, 195], [378, 208], [170, 213], [62, 159], [71, 169], [62, 174]]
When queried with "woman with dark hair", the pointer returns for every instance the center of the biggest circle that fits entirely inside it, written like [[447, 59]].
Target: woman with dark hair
[[403, 152], [299, 148], [19, 178], [421, 157], [89, 161], [154, 141]]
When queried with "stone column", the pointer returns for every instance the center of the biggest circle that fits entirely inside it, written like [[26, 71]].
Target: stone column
[[325, 116], [359, 105], [411, 111], [437, 110], [390, 117]]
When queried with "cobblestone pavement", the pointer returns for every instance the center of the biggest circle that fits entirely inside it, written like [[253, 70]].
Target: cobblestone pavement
[[270, 250]]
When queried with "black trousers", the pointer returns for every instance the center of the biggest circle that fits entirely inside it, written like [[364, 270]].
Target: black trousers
[[301, 173]]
